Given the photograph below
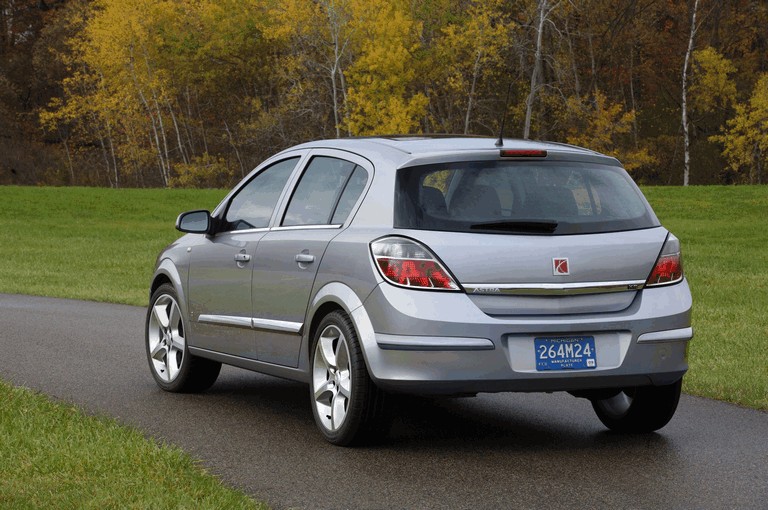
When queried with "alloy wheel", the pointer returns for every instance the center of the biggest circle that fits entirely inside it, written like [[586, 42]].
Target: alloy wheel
[[165, 336], [331, 381]]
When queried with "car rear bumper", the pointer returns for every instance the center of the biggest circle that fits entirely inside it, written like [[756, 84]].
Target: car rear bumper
[[451, 347]]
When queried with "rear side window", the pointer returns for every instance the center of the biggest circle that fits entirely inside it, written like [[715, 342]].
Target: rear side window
[[326, 193], [520, 197]]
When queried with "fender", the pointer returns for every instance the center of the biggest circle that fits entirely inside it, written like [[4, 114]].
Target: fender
[[343, 296], [167, 268]]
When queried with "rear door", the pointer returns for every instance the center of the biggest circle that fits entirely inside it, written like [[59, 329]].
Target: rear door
[[287, 258]]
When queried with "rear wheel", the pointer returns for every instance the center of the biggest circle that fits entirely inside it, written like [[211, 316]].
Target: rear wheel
[[641, 409], [347, 406], [170, 362]]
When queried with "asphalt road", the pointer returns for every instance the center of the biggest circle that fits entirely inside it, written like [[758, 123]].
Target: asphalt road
[[492, 451]]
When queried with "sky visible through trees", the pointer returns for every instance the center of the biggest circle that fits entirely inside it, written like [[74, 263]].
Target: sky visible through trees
[[195, 93]]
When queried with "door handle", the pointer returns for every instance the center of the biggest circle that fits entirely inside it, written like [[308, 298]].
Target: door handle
[[242, 257], [305, 258]]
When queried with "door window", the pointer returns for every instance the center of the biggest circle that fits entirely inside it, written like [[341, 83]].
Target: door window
[[326, 192], [253, 205]]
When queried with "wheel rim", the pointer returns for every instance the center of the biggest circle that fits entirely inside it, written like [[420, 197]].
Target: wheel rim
[[165, 335], [331, 382]]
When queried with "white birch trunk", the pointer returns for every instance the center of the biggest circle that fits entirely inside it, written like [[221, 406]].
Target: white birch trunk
[[182, 149], [234, 147], [543, 4], [470, 100], [684, 120]]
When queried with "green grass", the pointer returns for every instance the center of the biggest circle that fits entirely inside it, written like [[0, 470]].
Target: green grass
[[53, 456], [100, 244], [725, 254], [95, 244]]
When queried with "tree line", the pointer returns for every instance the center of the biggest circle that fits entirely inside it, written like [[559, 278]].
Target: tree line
[[197, 92]]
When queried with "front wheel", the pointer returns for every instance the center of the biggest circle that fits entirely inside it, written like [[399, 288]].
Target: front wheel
[[641, 409], [347, 406], [170, 362]]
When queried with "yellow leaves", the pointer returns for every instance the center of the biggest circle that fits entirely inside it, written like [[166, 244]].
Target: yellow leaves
[[391, 115], [164, 81], [745, 138], [205, 171], [602, 127], [379, 98], [712, 87]]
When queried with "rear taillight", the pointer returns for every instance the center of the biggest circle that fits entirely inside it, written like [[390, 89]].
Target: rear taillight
[[407, 263], [669, 266]]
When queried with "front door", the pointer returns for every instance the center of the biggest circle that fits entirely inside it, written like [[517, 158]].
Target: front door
[[220, 272]]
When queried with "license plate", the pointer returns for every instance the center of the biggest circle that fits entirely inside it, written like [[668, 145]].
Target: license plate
[[565, 353]]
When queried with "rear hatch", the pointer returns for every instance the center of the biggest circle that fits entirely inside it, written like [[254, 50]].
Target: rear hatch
[[534, 238], [519, 275]]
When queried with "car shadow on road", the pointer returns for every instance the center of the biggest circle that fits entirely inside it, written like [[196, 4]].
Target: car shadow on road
[[516, 422], [511, 421]]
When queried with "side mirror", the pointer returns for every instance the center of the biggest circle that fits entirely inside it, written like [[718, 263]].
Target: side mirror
[[194, 222]]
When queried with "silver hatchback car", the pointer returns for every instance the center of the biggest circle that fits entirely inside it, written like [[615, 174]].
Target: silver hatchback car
[[433, 266]]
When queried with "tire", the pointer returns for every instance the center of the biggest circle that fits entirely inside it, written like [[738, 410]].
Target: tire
[[639, 410], [349, 409], [170, 362]]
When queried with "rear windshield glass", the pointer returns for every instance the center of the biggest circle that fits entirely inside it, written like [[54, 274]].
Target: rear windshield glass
[[554, 198]]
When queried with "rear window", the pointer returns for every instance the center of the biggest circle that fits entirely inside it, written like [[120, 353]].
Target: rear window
[[554, 198]]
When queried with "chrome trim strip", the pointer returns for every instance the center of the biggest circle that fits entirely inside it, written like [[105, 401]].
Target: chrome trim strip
[[306, 227], [552, 289], [226, 320], [275, 325], [243, 231], [432, 343], [251, 323], [670, 335]]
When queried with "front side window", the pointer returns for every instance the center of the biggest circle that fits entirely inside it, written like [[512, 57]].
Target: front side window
[[253, 205], [326, 193], [520, 197]]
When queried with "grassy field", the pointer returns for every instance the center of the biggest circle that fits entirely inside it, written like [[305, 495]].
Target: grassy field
[[724, 231], [52, 456], [95, 244]]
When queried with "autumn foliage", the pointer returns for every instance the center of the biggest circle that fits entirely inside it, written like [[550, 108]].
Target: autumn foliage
[[197, 92]]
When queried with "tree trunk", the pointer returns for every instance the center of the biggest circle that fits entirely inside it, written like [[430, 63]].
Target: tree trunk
[[187, 120], [114, 157], [471, 98], [163, 136], [544, 10], [69, 158], [576, 82], [684, 120], [334, 88], [182, 149], [234, 147], [164, 172], [164, 167], [106, 159]]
